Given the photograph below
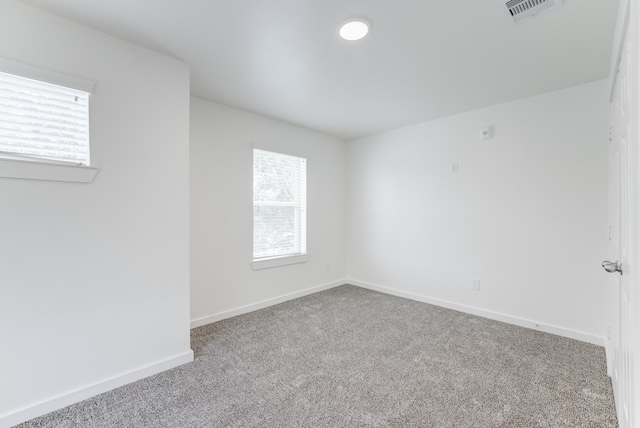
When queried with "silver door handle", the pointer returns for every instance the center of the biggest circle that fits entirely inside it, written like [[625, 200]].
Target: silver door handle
[[612, 267]]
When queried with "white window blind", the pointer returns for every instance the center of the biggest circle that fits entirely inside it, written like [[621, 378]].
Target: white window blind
[[279, 205], [40, 120]]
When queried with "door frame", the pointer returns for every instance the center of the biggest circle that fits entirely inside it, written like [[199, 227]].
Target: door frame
[[628, 27]]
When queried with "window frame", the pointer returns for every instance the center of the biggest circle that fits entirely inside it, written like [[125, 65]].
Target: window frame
[[33, 168], [301, 256]]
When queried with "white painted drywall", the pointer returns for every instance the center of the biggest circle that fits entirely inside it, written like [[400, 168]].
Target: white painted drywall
[[526, 213], [94, 278], [222, 140]]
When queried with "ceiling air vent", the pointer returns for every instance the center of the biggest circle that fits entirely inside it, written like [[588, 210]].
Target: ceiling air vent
[[523, 9]]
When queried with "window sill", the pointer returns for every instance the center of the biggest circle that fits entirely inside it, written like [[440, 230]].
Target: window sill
[[33, 170], [279, 261]]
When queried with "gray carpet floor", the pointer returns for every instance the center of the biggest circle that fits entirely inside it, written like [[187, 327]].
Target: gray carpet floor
[[350, 357]]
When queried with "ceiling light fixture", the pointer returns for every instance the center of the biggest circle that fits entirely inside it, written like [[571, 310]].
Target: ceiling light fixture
[[354, 30]]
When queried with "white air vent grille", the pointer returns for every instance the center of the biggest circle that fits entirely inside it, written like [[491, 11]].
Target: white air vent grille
[[522, 9]]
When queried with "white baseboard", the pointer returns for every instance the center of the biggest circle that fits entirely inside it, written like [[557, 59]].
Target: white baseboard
[[75, 396], [198, 322], [535, 325], [71, 397]]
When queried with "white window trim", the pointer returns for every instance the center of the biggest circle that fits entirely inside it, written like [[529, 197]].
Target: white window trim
[[272, 262], [42, 169], [35, 170], [44, 75]]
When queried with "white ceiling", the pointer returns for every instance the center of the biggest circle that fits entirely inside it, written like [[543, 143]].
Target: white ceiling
[[423, 59]]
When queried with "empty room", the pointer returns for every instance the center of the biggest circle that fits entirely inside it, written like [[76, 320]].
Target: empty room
[[327, 213]]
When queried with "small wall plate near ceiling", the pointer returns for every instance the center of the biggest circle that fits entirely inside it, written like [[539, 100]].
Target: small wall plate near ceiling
[[519, 10]]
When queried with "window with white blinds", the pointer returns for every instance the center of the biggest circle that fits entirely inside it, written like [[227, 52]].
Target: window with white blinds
[[43, 121], [279, 205]]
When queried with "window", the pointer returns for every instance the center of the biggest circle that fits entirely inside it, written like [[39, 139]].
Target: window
[[279, 205], [43, 121]]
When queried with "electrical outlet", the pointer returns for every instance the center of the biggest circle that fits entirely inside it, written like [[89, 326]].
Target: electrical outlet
[[328, 267], [609, 332], [475, 284], [454, 168]]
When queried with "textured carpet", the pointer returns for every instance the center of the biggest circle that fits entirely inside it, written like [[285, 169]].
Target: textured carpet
[[350, 357]]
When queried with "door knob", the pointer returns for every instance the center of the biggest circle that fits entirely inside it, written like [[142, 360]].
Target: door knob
[[612, 267]]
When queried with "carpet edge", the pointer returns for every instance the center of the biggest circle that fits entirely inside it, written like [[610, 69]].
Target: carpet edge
[[41, 408], [496, 316], [209, 319]]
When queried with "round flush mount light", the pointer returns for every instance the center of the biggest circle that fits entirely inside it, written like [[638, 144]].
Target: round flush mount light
[[354, 30]]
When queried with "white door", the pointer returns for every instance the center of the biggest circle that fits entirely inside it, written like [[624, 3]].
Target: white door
[[622, 231]]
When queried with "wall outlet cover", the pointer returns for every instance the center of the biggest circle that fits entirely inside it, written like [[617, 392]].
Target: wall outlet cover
[[486, 133]]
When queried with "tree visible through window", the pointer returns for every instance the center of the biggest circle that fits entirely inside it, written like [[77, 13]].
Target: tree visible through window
[[279, 204]]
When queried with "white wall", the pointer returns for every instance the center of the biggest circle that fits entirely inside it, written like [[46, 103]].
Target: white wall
[[526, 214], [222, 281], [94, 283], [94, 289]]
